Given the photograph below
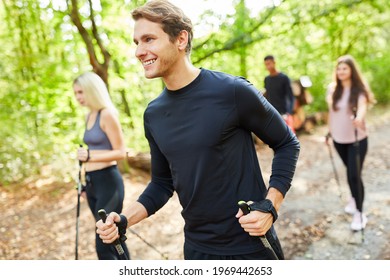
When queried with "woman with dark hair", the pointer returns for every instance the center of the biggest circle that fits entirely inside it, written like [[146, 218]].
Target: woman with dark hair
[[348, 99]]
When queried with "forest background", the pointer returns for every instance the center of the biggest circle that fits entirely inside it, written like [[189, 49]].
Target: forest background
[[46, 44]]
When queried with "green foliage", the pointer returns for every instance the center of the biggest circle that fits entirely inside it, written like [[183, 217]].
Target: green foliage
[[306, 38], [42, 52]]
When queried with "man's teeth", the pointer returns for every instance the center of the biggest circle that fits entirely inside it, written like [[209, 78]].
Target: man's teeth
[[149, 62]]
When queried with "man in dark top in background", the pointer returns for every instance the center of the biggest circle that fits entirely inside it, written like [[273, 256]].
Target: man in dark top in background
[[278, 90], [199, 132]]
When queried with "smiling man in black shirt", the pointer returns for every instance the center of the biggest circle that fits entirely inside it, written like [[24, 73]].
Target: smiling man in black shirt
[[199, 132]]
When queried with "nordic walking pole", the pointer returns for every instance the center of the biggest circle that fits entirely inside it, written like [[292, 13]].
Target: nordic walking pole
[[164, 256], [117, 243], [79, 189], [357, 148], [333, 165], [245, 208]]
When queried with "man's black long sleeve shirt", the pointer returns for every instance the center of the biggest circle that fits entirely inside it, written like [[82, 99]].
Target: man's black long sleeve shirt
[[279, 93], [202, 147]]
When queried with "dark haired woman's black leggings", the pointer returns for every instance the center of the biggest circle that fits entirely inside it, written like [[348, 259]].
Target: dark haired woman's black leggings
[[105, 190], [347, 153]]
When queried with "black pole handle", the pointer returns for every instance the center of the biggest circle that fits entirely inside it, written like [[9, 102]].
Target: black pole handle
[[80, 162], [118, 246], [103, 215], [246, 209]]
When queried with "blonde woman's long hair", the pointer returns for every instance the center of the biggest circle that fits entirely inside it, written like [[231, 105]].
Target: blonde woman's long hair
[[95, 91]]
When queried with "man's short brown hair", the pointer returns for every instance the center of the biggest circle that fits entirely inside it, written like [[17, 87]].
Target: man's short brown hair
[[269, 57], [172, 19]]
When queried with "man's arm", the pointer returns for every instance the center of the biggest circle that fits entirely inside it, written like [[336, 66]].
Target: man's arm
[[257, 223], [265, 93], [160, 188], [276, 197], [258, 116], [155, 196], [290, 95], [108, 231]]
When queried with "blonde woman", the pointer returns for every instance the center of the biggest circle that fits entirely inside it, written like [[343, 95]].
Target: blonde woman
[[104, 138], [348, 99]]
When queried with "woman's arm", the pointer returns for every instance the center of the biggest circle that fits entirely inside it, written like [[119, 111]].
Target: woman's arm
[[361, 112]]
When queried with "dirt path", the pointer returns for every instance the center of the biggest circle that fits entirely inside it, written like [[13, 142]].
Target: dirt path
[[313, 215], [38, 220]]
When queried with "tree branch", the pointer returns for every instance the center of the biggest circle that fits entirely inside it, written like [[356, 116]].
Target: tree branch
[[75, 16], [99, 68], [95, 33], [239, 41]]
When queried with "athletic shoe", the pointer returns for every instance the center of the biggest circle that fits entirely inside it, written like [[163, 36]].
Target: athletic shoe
[[359, 221], [351, 206]]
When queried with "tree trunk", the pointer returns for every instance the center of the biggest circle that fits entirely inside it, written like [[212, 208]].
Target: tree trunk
[[139, 160], [100, 69]]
